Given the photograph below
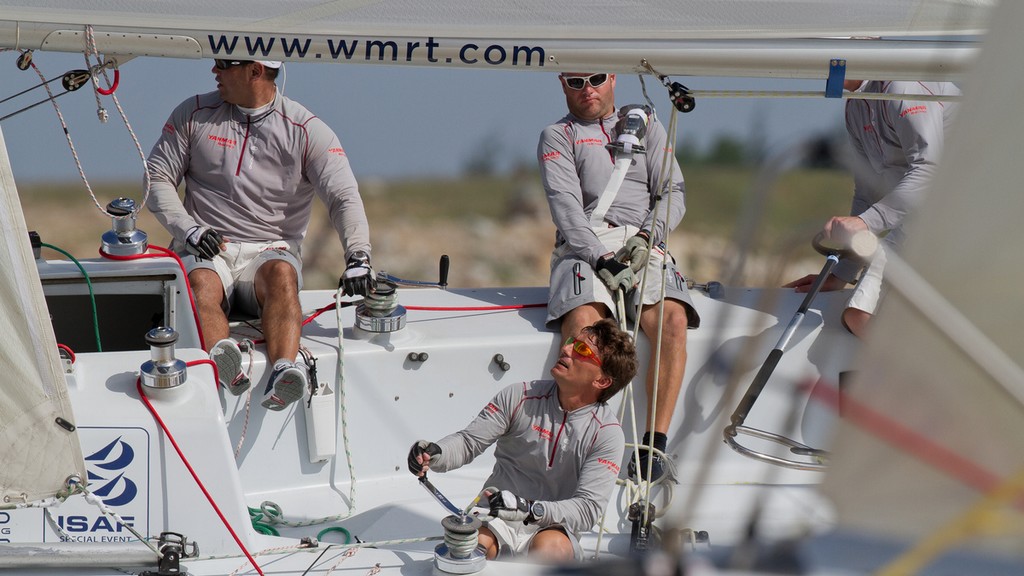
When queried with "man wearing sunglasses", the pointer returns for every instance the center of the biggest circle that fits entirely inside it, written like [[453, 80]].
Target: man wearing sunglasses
[[595, 257], [251, 161], [557, 449]]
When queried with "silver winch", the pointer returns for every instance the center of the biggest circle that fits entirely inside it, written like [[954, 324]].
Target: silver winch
[[164, 370], [124, 239], [380, 311], [459, 553]]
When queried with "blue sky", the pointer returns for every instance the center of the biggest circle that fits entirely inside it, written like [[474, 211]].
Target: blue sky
[[394, 122]]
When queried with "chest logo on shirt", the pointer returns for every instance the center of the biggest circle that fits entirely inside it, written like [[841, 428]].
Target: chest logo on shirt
[[222, 142], [543, 433], [920, 109], [553, 155], [590, 142]]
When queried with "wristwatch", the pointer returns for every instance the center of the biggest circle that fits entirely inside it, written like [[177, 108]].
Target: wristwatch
[[536, 512]]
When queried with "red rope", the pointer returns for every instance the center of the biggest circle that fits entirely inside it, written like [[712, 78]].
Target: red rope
[[67, 349], [216, 373], [188, 285], [472, 308], [113, 87], [910, 441], [163, 426]]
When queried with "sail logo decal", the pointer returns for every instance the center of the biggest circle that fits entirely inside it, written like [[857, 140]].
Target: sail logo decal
[[113, 458], [117, 462], [375, 50]]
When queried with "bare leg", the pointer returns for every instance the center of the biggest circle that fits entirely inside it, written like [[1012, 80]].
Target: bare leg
[[551, 545], [486, 539], [673, 360], [856, 321], [209, 295], [277, 290]]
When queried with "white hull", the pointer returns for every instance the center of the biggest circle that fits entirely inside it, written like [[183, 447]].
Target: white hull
[[390, 401]]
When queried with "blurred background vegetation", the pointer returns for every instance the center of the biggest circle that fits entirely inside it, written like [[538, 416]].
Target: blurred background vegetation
[[496, 228]]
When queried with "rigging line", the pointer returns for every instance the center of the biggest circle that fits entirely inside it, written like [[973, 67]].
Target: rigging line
[[147, 184], [188, 285], [199, 483], [92, 294], [784, 94]]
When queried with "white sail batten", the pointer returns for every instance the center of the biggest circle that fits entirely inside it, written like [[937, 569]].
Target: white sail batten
[[945, 437], [791, 39], [34, 394]]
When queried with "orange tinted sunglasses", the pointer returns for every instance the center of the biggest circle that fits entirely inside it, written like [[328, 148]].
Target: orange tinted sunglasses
[[582, 350]]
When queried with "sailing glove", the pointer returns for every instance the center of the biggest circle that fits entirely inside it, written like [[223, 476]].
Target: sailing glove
[[635, 251], [358, 276], [509, 507], [203, 242], [615, 274], [419, 448]]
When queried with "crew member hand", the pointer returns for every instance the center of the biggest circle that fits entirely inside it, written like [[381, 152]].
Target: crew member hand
[[831, 283], [419, 456], [203, 242], [615, 274], [358, 276], [634, 252], [509, 507]]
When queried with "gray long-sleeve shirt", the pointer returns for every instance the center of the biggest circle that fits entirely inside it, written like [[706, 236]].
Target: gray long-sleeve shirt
[[575, 168], [899, 143], [253, 178], [567, 460]]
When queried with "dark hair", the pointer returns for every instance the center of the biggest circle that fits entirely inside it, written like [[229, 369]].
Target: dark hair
[[617, 353], [270, 73]]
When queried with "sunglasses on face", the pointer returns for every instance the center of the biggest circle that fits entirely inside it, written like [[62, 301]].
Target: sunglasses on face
[[582, 350], [578, 82], [225, 64]]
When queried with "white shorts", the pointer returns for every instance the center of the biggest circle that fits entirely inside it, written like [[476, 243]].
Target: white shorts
[[575, 283], [237, 264], [514, 542], [868, 291]]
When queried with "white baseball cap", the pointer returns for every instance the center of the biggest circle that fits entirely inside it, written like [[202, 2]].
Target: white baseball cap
[[270, 63]]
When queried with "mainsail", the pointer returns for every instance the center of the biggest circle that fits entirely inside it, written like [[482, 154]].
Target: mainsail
[[932, 447], [782, 38], [38, 447]]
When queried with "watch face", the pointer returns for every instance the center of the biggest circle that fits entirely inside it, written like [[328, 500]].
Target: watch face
[[537, 510]]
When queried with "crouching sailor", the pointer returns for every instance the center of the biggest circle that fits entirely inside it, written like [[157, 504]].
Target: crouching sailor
[[557, 453]]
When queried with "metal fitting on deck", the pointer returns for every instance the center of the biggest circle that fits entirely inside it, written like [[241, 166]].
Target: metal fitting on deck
[[164, 370], [123, 239]]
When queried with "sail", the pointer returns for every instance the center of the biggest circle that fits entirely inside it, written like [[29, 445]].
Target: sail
[[780, 38], [37, 452], [931, 449]]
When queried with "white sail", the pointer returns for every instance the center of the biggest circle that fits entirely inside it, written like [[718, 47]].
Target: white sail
[[34, 396], [936, 453], [693, 37]]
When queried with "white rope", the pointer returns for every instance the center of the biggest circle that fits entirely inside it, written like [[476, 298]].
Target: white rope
[[784, 94]]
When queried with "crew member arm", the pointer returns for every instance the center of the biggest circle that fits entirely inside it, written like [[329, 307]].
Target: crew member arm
[[564, 193], [462, 447], [918, 126], [167, 164], [328, 169]]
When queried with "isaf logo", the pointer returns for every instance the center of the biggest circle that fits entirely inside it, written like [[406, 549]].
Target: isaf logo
[[106, 470]]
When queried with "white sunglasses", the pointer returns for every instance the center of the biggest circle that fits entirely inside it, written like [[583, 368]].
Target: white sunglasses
[[578, 82]]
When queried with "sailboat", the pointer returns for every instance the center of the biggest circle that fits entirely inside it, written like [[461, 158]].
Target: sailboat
[[130, 460]]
